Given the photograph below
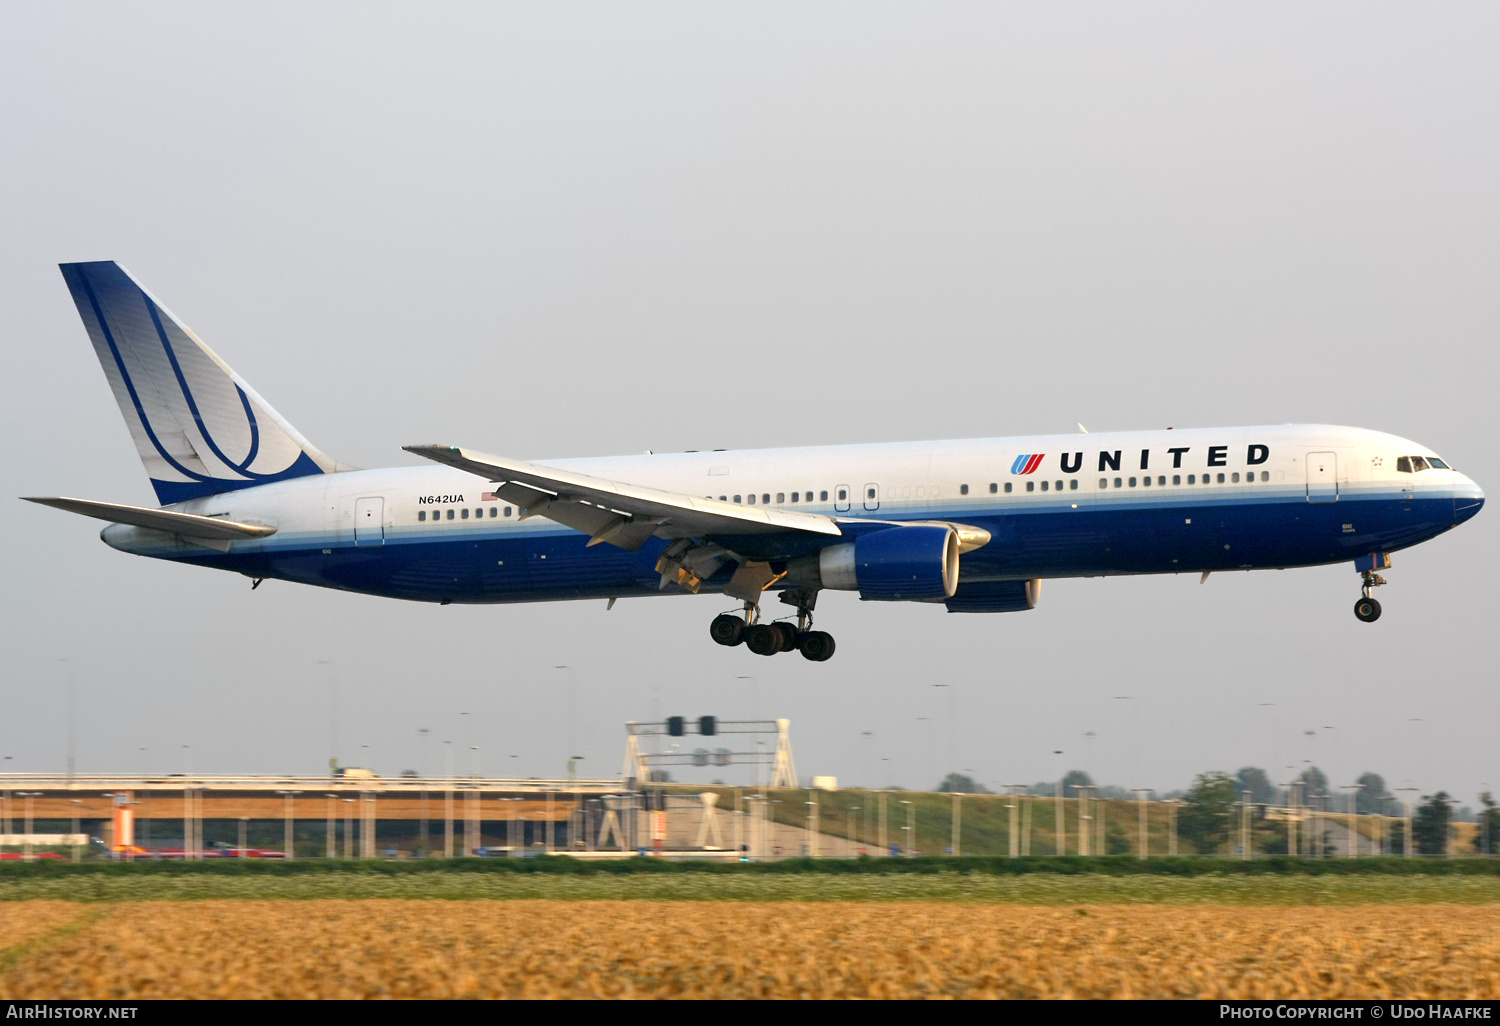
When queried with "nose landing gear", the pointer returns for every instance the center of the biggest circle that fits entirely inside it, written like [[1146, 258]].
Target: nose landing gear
[[778, 636], [1367, 608]]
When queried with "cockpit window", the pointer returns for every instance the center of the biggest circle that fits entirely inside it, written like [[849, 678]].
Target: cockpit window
[[1403, 464], [1433, 461], [1418, 463]]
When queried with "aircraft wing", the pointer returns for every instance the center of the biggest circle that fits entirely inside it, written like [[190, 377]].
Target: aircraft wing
[[622, 514], [190, 525]]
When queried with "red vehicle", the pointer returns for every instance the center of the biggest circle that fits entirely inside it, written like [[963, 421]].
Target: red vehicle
[[20, 856]]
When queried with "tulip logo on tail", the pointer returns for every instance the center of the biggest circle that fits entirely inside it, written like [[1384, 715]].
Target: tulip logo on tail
[[1027, 464]]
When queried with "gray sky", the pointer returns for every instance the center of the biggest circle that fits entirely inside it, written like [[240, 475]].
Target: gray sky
[[559, 230]]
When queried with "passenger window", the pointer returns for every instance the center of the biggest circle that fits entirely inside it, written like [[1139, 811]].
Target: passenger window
[[1192, 479], [751, 498], [963, 489], [737, 498], [1117, 482], [1145, 481], [994, 488], [1132, 482], [1403, 464], [1007, 488], [494, 512], [463, 514], [780, 498], [1044, 486], [843, 495], [507, 508], [1177, 479], [1031, 486], [421, 515], [822, 496], [1235, 477], [450, 514], [1221, 479], [1059, 486], [1418, 464], [1265, 475], [794, 496], [766, 499], [869, 493], [1162, 479], [1073, 484], [1104, 482]]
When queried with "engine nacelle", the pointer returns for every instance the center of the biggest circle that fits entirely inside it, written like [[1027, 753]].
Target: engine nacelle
[[916, 563], [995, 596]]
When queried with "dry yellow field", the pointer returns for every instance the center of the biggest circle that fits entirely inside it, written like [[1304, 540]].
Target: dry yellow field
[[534, 949]]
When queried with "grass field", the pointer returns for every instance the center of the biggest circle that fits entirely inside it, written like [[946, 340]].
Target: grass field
[[1030, 889], [534, 949]]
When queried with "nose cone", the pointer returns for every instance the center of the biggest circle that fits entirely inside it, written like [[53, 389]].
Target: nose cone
[[1468, 499]]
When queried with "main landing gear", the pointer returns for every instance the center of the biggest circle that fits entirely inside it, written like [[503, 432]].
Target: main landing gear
[[779, 635], [1367, 609]]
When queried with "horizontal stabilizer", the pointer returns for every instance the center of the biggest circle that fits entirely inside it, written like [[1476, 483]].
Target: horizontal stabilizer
[[189, 525], [616, 512]]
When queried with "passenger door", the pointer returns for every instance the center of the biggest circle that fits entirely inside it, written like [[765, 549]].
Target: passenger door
[[369, 522], [1322, 477]]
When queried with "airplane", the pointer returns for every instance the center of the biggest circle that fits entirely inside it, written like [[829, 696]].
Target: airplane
[[974, 525]]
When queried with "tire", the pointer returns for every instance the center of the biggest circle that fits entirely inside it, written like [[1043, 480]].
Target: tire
[[727, 630], [817, 646], [788, 635], [763, 639], [1367, 609]]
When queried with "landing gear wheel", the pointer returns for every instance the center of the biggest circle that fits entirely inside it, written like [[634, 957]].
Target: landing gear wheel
[[727, 630], [817, 646], [763, 639], [788, 635], [1367, 609]]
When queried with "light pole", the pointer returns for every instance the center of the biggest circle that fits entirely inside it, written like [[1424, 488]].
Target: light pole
[[853, 809], [907, 830], [332, 837], [1275, 732], [1353, 790], [288, 836], [1291, 818], [333, 715], [952, 726], [1014, 807], [572, 699], [69, 664], [1408, 843], [1060, 825], [754, 696], [1135, 739], [1245, 824], [928, 729], [1142, 794], [1423, 778], [75, 802], [28, 795]]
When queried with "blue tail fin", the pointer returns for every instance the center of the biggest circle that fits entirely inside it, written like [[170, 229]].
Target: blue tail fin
[[200, 430]]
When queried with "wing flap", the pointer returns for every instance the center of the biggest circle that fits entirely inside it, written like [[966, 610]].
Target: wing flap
[[617, 512]]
